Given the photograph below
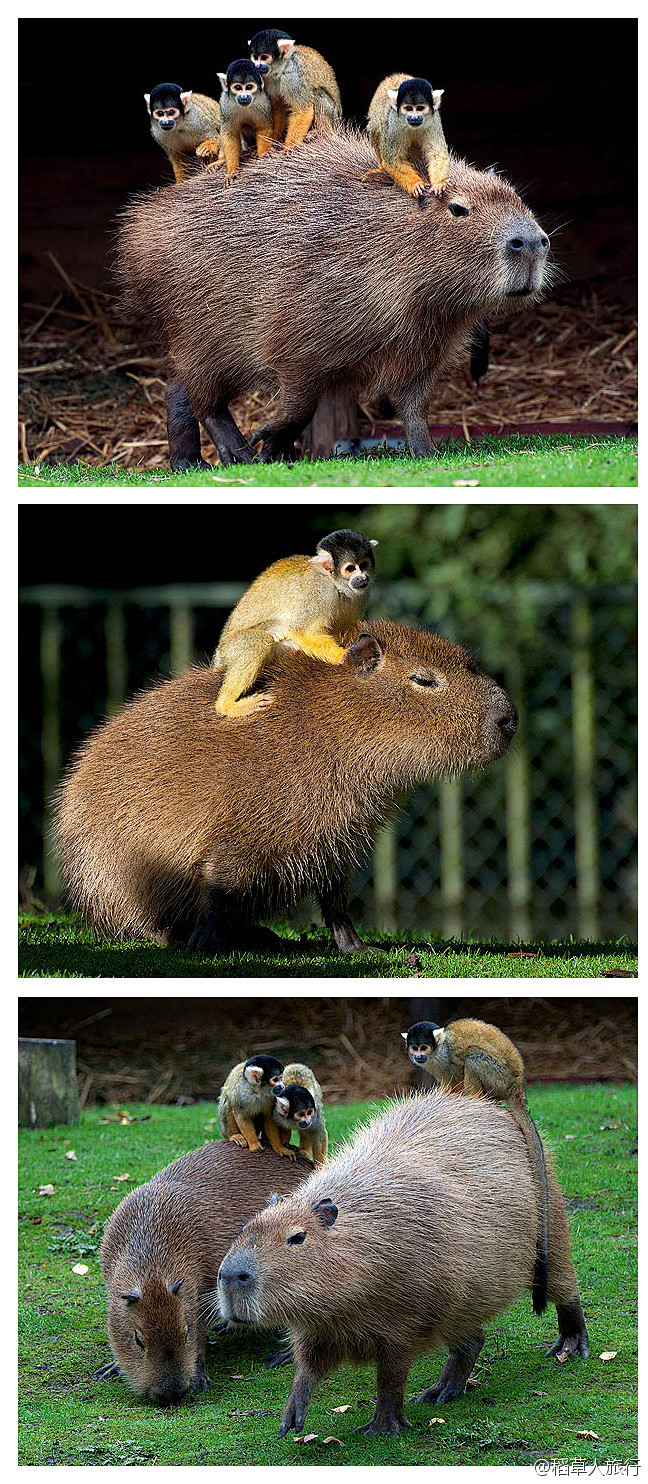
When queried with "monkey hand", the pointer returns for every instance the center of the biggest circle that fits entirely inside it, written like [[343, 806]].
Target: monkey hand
[[418, 188], [238, 1139], [208, 150], [214, 165], [229, 179], [287, 1152]]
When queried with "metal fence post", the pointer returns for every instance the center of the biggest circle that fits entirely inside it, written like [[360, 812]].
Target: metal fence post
[[50, 663], [518, 829], [116, 665], [181, 637], [584, 745], [385, 876], [452, 857]]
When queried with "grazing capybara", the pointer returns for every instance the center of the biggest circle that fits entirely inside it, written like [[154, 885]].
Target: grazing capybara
[[160, 1256], [420, 1229], [306, 279], [176, 824]]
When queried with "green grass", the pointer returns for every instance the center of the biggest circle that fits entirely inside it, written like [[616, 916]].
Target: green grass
[[62, 947], [525, 1407], [508, 462]]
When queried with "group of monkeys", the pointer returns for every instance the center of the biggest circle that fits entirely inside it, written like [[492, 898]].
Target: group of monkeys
[[261, 1096], [278, 94]]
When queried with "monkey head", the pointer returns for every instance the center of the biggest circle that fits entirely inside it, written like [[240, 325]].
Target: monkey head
[[422, 1041], [348, 558], [415, 101], [166, 104], [264, 1071], [297, 1104], [268, 48], [242, 81]]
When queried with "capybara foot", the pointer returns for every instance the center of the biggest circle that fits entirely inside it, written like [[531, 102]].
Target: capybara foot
[[184, 466], [568, 1345], [238, 1139], [573, 1338], [283, 1356], [108, 1372], [439, 1393], [277, 448], [201, 1379], [385, 1419]]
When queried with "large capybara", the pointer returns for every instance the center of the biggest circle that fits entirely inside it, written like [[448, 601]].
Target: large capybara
[[420, 1229], [306, 279], [176, 824], [160, 1256]]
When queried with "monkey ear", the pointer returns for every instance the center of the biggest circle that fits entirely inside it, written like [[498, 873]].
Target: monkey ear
[[286, 47], [438, 1036], [392, 94], [185, 98], [404, 1035], [325, 1212], [283, 1105], [174, 1288], [323, 559], [147, 100], [366, 654], [374, 543], [133, 1297], [437, 94], [222, 78]]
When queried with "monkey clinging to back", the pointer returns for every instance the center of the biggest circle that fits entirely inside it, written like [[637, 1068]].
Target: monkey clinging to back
[[300, 84], [184, 125], [477, 1059], [246, 114], [309, 603], [300, 1105], [405, 131], [247, 1094]]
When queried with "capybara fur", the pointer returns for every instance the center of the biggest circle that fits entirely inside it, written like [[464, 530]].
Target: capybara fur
[[176, 824], [306, 279], [160, 1256], [419, 1230]]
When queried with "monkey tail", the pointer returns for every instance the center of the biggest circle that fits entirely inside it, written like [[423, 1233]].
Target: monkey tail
[[536, 1155]]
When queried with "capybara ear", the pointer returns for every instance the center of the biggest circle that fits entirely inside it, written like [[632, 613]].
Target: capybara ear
[[132, 1297], [273, 1200], [174, 1288], [366, 653], [326, 1212]]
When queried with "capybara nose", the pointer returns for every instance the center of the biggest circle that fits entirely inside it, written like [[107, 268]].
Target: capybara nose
[[528, 243], [235, 1272], [507, 719], [169, 1396]]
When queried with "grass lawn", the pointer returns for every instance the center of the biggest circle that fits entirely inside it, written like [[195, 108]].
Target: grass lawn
[[63, 948], [508, 462], [525, 1407]]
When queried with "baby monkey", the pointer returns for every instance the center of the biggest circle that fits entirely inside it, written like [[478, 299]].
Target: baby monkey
[[307, 603], [300, 84], [246, 114], [247, 1094], [477, 1059], [184, 125], [299, 1105], [404, 127]]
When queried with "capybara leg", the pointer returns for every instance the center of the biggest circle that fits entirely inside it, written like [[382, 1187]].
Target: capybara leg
[[228, 440], [273, 1134], [312, 1364], [332, 900], [299, 123], [183, 430], [108, 1372], [220, 926], [201, 1378], [455, 1373], [573, 1338], [413, 407], [389, 1415]]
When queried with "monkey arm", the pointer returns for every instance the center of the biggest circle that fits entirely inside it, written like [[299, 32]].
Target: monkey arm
[[232, 152], [209, 149], [299, 122], [273, 1134], [314, 1144], [246, 1127], [406, 177], [318, 646], [438, 165], [263, 142]]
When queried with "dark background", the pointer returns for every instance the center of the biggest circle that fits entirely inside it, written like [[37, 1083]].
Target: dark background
[[532, 96]]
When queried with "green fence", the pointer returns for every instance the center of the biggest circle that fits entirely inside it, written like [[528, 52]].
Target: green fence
[[543, 843]]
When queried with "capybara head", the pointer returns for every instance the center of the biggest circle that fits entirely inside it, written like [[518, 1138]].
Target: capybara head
[[284, 1262], [154, 1335]]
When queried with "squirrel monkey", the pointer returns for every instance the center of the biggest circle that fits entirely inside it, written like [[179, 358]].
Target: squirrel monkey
[[477, 1059], [247, 1094], [299, 1105], [308, 603], [184, 125], [300, 85], [404, 127], [246, 114]]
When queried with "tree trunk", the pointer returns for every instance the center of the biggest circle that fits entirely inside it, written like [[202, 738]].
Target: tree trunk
[[47, 1083], [336, 418]]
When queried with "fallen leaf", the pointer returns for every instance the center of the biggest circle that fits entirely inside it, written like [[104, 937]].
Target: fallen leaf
[[538, 1393], [570, 1136], [307, 1437], [46, 1190], [522, 954], [121, 1177], [69, 1154], [465, 484], [238, 1376], [332, 1440], [345, 1408], [436, 1420], [608, 1355], [36, 1220], [562, 1356], [81, 1268], [585, 1433]]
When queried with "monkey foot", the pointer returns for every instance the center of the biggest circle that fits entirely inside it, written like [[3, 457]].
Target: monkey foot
[[108, 1372], [247, 705], [209, 150], [568, 1345], [437, 190], [287, 1152], [238, 1139], [419, 189]]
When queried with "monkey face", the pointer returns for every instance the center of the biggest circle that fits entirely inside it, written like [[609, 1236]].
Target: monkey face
[[242, 81], [264, 1071], [296, 1103], [414, 114], [166, 117], [355, 574], [421, 1041]]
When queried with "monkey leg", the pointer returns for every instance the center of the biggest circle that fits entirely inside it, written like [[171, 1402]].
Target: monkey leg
[[183, 430], [299, 122], [315, 1149], [407, 178], [318, 646], [209, 149], [232, 152], [312, 1364], [389, 1415], [179, 169], [228, 440], [333, 904], [250, 652], [455, 1373], [274, 1137], [438, 167], [263, 143], [472, 1086], [413, 406], [279, 119], [246, 1126]]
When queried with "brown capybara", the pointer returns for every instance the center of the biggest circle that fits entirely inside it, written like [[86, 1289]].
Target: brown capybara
[[160, 1256], [307, 279], [176, 824], [420, 1229]]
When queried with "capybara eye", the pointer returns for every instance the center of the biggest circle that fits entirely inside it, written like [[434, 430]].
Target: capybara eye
[[139, 1342], [429, 680], [296, 1238], [472, 668], [456, 210]]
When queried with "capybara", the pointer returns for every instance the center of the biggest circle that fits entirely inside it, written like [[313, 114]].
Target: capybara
[[177, 824], [160, 1256], [306, 279], [420, 1229]]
